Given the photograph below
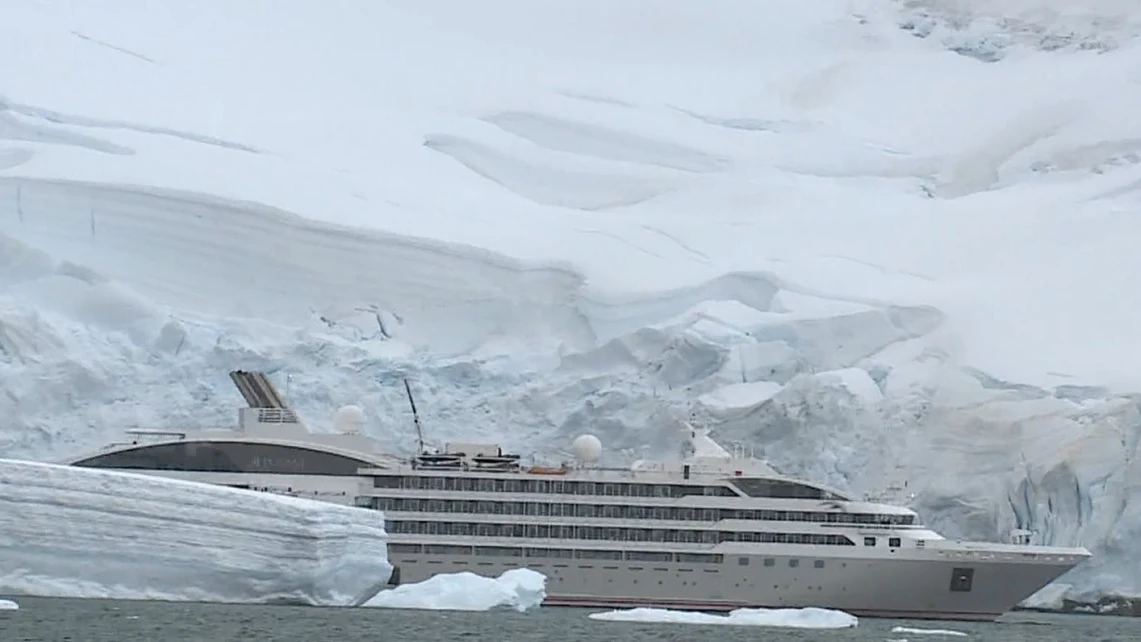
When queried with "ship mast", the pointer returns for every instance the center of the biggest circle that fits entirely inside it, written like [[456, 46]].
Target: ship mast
[[415, 416]]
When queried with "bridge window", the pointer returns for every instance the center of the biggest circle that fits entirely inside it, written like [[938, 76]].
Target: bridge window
[[781, 489], [228, 457]]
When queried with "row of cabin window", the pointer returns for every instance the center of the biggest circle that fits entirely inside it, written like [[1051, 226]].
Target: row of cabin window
[[564, 553], [546, 486], [608, 533], [620, 511]]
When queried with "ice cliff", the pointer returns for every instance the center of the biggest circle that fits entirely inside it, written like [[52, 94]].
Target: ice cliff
[[74, 532]]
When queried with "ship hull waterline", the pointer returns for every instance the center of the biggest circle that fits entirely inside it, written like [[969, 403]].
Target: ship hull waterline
[[873, 588]]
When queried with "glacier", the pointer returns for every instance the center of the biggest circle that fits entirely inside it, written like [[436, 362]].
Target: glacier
[[76, 532], [888, 246]]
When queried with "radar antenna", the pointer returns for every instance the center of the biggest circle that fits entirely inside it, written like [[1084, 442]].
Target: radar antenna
[[415, 416]]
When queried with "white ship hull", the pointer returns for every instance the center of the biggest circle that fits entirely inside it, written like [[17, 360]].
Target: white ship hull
[[906, 588]]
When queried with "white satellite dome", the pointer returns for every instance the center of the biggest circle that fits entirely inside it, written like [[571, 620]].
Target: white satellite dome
[[587, 447], [348, 419]]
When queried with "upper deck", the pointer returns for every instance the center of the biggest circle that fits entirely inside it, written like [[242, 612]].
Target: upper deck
[[708, 470]]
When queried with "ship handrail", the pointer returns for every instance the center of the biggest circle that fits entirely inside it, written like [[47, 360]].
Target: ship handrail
[[155, 433]]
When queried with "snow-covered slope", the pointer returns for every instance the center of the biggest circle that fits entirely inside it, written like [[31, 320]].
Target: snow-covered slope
[[77, 532], [834, 228]]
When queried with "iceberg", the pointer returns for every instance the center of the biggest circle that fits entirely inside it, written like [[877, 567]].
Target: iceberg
[[805, 618], [914, 631], [519, 589], [76, 532]]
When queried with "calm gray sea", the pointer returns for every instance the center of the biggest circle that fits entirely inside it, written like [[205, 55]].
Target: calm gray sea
[[63, 620]]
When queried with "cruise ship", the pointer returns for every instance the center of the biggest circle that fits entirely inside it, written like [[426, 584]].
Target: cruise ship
[[711, 531]]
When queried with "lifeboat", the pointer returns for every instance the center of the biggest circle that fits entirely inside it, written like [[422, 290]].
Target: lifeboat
[[547, 470]]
